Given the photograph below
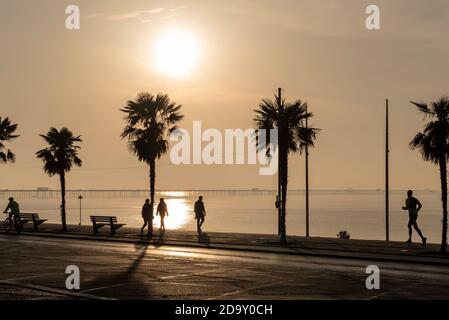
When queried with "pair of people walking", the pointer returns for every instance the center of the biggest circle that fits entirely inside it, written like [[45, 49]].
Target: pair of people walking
[[162, 211], [147, 215]]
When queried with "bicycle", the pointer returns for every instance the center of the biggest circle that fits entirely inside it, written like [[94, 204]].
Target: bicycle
[[9, 224]]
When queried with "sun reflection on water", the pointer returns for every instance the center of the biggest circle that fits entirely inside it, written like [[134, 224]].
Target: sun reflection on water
[[178, 214]]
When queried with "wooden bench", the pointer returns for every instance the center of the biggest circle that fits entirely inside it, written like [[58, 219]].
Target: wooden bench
[[24, 218], [101, 221]]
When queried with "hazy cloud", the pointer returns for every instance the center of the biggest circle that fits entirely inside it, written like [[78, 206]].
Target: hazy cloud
[[135, 14], [169, 16]]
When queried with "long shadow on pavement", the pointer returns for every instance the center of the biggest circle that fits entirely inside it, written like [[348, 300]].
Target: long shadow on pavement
[[126, 283]]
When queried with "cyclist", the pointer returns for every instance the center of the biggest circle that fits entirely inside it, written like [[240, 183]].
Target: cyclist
[[14, 212]]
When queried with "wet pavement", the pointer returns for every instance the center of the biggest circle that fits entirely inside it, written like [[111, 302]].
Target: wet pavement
[[306, 246], [33, 267]]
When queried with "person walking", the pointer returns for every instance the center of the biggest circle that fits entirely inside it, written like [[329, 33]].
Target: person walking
[[413, 206], [147, 216], [200, 213], [162, 211]]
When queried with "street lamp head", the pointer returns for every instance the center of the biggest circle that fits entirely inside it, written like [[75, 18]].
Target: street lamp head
[[80, 197]]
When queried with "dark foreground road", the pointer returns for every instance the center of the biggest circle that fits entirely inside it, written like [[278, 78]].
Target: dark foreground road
[[34, 268]]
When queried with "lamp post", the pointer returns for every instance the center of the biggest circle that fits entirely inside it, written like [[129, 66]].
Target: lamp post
[[80, 198], [307, 179], [387, 183], [279, 197]]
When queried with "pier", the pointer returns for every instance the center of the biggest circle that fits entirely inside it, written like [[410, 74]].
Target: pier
[[50, 194]]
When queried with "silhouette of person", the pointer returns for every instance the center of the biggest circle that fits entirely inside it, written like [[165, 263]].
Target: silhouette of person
[[147, 216], [162, 211], [413, 206], [14, 212], [200, 213]]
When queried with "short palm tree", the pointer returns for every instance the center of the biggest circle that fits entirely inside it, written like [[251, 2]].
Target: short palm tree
[[149, 121], [6, 135], [59, 158], [293, 137], [433, 144]]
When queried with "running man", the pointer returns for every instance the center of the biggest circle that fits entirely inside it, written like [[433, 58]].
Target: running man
[[162, 211], [14, 212], [200, 213], [413, 206]]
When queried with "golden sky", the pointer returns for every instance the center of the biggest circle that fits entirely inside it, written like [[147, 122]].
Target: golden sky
[[319, 51]]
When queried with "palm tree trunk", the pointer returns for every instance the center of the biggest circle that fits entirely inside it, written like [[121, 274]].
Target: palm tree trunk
[[63, 215], [443, 178], [152, 191], [284, 182], [283, 160]]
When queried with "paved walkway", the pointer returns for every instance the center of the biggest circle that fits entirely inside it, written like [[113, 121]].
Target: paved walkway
[[313, 246], [33, 267]]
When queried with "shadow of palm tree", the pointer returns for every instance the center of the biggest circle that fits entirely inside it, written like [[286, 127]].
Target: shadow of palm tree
[[132, 287]]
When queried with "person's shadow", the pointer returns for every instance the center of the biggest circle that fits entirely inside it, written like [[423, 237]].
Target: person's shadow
[[159, 241], [204, 238]]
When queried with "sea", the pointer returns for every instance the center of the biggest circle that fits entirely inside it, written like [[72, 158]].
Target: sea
[[359, 212]]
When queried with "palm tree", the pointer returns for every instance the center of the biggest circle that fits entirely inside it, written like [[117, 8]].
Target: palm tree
[[149, 121], [433, 144], [293, 137], [6, 135], [59, 158]]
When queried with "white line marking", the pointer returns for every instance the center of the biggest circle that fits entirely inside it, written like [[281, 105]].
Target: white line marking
[[56, 291]]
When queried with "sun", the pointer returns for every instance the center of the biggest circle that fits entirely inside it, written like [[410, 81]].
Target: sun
[[176, 53]]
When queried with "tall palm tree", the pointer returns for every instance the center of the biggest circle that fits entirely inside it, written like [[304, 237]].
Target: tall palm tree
[[293, 137], [59, 158], [6, 135], [149, 121], [433, 144]]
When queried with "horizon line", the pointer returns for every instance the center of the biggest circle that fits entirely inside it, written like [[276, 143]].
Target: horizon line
[[198, 190]]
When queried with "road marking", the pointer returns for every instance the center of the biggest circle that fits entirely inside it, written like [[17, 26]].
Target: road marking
[[23, 278], [380, 295], [185, 275], [105, 287], [53, 290], [247, 289], [186, 284]]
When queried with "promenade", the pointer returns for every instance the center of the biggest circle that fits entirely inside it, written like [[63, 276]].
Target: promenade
[[307, 246], [216, 266]]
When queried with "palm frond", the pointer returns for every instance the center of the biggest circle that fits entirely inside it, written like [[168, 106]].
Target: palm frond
[[7, 130], [422, 107], [62, 151], [433, 141], [289, 119], [149, 120]]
